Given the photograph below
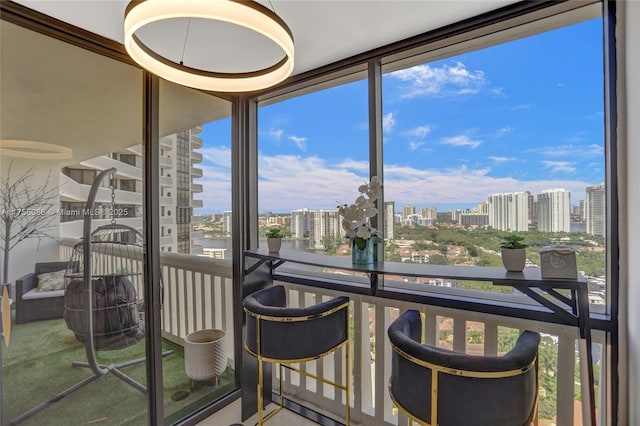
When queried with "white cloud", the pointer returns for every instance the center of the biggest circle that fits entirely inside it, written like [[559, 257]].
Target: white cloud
[[388, 122], [446, 80], [592, 150], [216, 179], [415, 145], [419, 132], [301, 142], [559, 166], [502, 159], [461, 140], [504, 131], [289, 182], [276, 133]]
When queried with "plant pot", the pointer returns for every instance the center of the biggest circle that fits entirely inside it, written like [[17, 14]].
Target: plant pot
[[204, 355], [514, 259], [274, 244]]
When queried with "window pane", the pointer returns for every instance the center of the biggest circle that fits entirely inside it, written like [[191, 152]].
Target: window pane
[[197, 314], [313, 155], [87, 106], [504, 139]]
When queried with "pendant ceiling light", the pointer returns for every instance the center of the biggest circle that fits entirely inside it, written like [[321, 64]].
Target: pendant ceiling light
[[247, 14]]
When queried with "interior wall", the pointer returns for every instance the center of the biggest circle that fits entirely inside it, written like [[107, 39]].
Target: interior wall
[[630, 136]]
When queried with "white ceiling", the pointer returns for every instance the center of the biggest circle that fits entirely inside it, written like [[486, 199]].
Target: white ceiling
[[324, 31], [56, 93]]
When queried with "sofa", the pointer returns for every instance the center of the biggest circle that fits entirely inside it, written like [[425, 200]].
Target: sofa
[[34, 304]]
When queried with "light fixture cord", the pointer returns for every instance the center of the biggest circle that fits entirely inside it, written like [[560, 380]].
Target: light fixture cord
[[272, 8], [184, 46]]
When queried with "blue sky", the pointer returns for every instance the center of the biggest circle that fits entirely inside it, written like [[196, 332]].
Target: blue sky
[[521, 116]]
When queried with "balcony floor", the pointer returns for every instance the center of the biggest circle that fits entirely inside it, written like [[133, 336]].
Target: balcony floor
[[37, 366], [230, 415]]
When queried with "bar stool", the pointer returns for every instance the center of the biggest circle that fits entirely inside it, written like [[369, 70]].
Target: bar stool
[[434, 386], [284, 335]]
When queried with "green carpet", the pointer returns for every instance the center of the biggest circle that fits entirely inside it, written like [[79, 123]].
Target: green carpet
[[37, 366]]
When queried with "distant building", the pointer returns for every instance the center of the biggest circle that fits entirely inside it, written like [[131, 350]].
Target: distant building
[[227, 222], [554, 210], [323, 224], [474, 219], [429, 213], [389, 213], [215, 253], [408, 210], [177, 190], [595, 213], [300, 223], [530, 210], [509, 211]]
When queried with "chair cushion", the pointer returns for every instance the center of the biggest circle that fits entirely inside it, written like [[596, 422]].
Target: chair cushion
[[51, 281], [319, 332], [35, 294]]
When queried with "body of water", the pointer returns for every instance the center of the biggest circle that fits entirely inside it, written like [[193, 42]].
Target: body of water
[[578, 227], [225, 243]]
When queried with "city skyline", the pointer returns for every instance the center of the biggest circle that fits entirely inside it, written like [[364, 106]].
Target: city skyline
[[508, 118]]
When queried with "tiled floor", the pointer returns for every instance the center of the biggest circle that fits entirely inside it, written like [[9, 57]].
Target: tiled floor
[[231, 415]]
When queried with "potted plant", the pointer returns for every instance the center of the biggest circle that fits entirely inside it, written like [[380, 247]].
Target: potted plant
[[274, 239], [513, 252]]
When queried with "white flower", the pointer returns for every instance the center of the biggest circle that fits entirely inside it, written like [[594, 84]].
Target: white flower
[[355, 217]]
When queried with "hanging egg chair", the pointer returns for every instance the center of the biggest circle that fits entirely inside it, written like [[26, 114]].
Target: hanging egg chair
[[101, 302], [116, 274]]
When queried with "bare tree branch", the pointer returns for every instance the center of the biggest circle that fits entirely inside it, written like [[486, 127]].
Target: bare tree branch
[[26, 211]]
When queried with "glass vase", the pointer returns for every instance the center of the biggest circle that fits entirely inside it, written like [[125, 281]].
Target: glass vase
[[362, 256]]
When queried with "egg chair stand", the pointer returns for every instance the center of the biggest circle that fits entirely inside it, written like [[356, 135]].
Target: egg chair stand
[[101, 306]]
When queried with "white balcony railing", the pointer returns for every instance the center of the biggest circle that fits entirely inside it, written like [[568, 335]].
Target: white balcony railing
[[198, 294], [371, 367]]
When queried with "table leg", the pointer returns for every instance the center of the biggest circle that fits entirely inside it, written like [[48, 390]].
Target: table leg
[[586, 358]]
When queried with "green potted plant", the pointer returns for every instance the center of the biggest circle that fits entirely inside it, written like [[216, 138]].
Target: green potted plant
[[513, 252], [274, 239]]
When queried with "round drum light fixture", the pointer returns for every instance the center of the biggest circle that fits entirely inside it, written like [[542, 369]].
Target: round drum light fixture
[[247, 14], [34, 150]]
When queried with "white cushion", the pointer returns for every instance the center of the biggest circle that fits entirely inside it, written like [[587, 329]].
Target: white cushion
[[35, 294]]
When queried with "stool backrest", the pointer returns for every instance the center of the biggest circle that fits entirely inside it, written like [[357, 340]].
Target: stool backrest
[[438, 386], [294, 334]]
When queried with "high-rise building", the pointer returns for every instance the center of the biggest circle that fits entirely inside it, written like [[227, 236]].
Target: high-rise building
[[177, 190], [454, 215], [429, 213], [227, 219], [474, 219], [595, 212], [323, 224], [530, 208], [509, 211], [554, 210], [408, 210], [389, 213], [300, 223]]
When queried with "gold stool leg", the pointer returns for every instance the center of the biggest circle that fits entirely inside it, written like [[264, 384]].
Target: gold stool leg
[[348, 380]]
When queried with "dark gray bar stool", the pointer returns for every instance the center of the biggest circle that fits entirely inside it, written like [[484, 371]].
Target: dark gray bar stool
[[283, 335], [434, 386]]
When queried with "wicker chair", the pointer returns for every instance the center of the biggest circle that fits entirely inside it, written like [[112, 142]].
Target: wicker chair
[[283, 335], [434, 386]]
